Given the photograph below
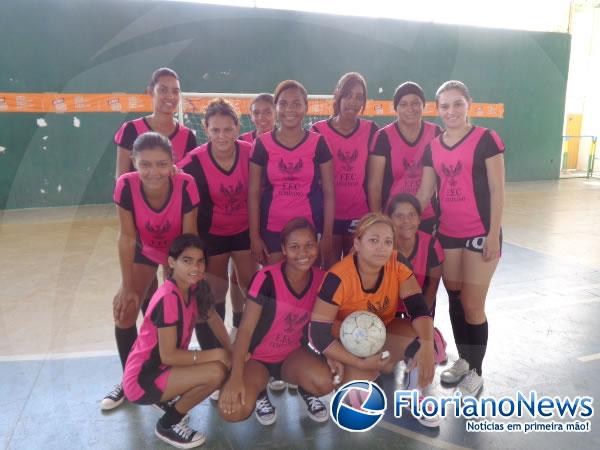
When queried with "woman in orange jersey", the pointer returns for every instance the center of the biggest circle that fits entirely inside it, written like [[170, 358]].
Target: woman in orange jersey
[[373, 279]]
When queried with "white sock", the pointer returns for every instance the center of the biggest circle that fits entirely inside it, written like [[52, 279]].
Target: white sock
[[413, 379]]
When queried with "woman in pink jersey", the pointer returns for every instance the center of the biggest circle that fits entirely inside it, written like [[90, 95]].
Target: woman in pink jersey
[[291, 175], [160, 367], [467, 162], [280, 300], [395, 163], [154, 207], [220, 168], [165, 91], [422, 253], [262, 115], [349, 139]]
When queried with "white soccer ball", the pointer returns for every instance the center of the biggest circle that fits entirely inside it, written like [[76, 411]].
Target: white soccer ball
[[362, 333]]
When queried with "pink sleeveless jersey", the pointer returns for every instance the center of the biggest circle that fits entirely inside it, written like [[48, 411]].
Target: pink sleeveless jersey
[[166, 309], [182, 139], [404, 160], [223, 193], [463, 184], [249, 136], [350, 155], [282, 332], [427, 253], [292, 180], [157, 229]]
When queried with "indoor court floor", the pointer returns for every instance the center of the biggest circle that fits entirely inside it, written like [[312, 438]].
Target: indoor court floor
[[60, 271]]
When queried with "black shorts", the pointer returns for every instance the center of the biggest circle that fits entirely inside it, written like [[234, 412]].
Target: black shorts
[[140, 258], [147, 380], [474, 244], [217, 245], [344, 227], [429, 226], [272, 240], [274, 369]]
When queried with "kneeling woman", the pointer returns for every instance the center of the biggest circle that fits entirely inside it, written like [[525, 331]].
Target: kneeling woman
[[422, 253], [373, 279], [160, 367], [281, 297]]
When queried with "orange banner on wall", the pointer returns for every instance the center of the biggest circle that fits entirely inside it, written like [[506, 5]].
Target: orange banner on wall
[[49, 102]]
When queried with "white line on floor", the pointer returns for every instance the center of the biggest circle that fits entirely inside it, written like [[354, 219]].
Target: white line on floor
[[589, 358], [56, 356]]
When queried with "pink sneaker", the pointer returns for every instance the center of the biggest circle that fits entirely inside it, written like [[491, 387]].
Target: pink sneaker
[[439, 347]]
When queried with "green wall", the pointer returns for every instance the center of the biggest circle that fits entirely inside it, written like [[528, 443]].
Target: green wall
[[114, 45]]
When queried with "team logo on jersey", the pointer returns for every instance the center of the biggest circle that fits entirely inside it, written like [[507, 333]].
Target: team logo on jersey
[[159, 231], [452, 172], [379, 307], [232, 194], [290, 168], [358, 406], [347, 159], [412, 170], [292, 321]]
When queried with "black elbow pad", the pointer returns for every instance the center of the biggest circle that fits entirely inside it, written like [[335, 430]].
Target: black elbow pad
[[319, 335], [416, 306]]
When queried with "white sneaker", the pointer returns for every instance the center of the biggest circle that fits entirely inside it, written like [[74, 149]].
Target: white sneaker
[[215, 395], [293, 387], [471, 384], [265, 411], [276, 385], [113, 399], [455, 373], [429, 421]]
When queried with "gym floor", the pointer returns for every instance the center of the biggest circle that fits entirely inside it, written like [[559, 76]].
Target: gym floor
[[58, 358]]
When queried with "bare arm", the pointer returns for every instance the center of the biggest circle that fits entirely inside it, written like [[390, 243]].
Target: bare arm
[[423, 326], [217, 326], [376, 168], [328, 208], [173, 356], [258, 248], [126, 245], [126, 296], [427, 187], [190, 224], [433, 275], [252, 313], [234, 388], [495, 174], [123, 161], [328, 197]]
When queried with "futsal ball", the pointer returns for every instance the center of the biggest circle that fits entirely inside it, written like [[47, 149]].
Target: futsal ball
[[362, 333]]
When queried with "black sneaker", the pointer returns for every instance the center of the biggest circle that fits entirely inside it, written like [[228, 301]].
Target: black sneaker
[[164, 406], [179, 435], [113, 399], [315, 408], [265, 411]]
